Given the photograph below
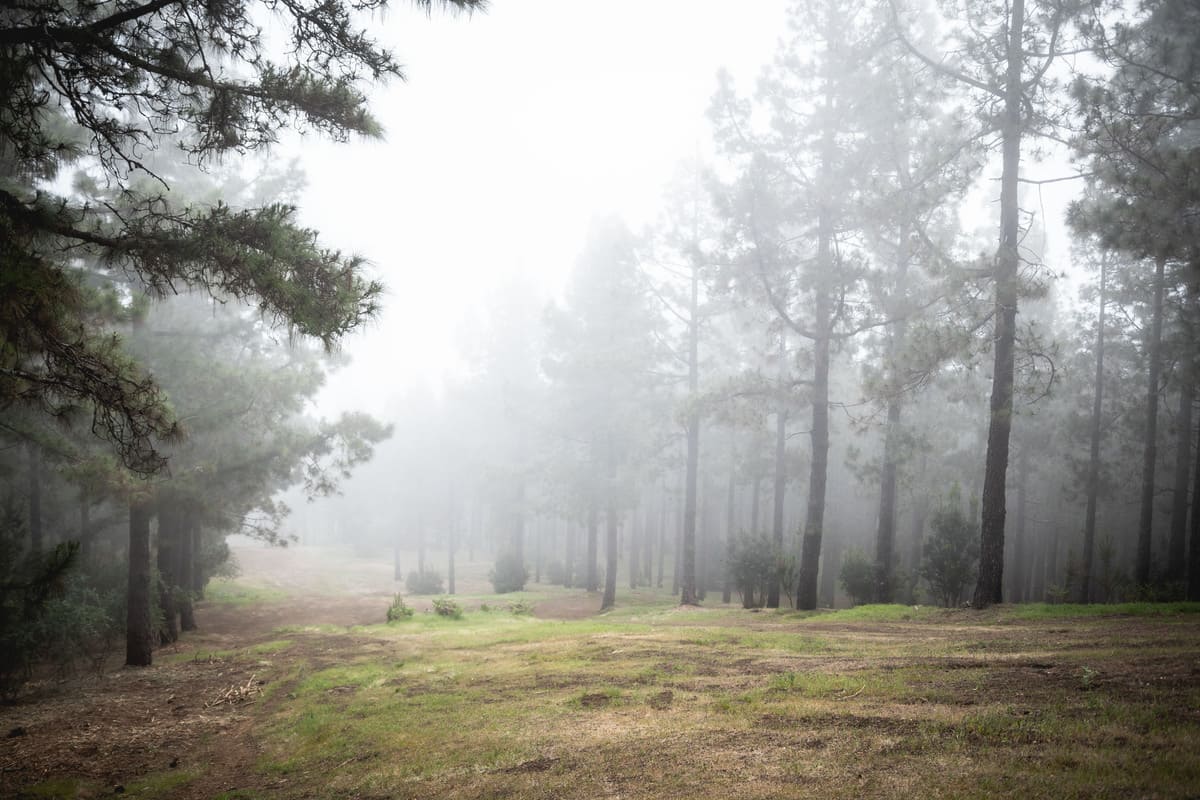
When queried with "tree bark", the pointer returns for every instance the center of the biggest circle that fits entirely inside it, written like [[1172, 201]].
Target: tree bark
[[1093, 476], [593, 566], [1150, 449], [635, 565], [990, 586], [168, 560], [569, 567], [810, 554], [36, 539], [1177, 544], [773, 588], [687, 583], [139, 632], [730, 490], [611, 541], [187, 566], [662, 535], [1193, 586]]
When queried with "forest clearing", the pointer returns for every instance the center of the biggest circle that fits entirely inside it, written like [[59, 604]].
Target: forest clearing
[[294, 687]]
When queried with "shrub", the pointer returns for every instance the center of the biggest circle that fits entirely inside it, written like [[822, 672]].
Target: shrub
[[398, 611], [508, 573], [950, 553], [447, 607], [857, 575], [519, 607], [753, 562], [427, 582]]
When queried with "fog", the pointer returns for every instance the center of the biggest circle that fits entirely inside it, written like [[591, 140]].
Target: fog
[[776, 304]]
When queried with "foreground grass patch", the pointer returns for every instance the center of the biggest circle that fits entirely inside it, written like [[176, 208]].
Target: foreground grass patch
[[663, 703]]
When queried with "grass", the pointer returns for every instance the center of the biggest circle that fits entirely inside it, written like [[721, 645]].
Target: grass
[[661, 703], [240, 593]]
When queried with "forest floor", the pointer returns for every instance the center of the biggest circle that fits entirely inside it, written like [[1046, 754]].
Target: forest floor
[[292, 688]]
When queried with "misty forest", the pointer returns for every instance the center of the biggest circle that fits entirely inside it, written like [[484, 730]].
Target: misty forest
[[525, 399]]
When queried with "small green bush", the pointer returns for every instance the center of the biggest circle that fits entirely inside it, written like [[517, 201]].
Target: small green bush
[[520, 607], [857, 575], [427, 582], [509, 573], [398, 611], [447, 607]]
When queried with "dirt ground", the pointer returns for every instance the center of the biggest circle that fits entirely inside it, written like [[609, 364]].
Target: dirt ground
[[194, 714]]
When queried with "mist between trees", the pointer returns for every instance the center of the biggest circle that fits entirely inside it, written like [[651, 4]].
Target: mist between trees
[[811, 382]]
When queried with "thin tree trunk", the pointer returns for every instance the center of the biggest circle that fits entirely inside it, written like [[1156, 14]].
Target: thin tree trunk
[[1193, 586], [780, 492], [569, 567], [451, 546], [36, 539], [662, 535], [611, 522], [168, 557], [187, 567], [1177, 544], [635, 566], [139, 632], [990, 587], [1022, 518], [726, 573], [593, 566], [1093, 476], [647, 546], [688, 594], [1150, 451]]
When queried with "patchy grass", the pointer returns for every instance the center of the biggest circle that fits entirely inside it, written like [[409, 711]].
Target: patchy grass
[[1033, 611], [657, 702], [240, 593]]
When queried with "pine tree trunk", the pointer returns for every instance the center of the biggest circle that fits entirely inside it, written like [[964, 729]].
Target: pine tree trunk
[[139, 632], [1177, 544], [687, 585], [593, 565], [451, 546], [647, 546], [1193, 586], [727, 579], [810, 553], [569, 567], [773, 587], [662, 536], [885, 533], [1022, 521], [187, 567], [36, 539], [168, 557], [1093, 475], [1150, 449], [635, 566], [611, 545], [990, 586]]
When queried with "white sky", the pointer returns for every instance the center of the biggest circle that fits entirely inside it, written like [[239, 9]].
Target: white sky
[[515, 127]]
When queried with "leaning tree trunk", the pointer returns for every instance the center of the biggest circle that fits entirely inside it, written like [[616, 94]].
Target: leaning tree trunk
[[1141, 575], [139, 630], [990, 586], [1177, 544]]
